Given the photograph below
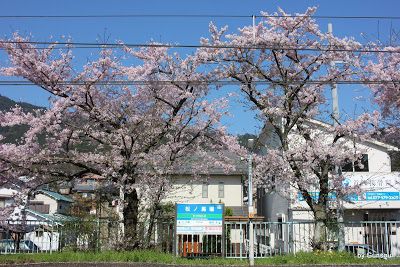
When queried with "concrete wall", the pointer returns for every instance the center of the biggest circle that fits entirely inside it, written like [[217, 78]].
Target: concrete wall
[[274, 206]]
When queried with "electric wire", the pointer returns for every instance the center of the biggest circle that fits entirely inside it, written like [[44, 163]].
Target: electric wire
[[122, 16], [194, 82], [157, 45]]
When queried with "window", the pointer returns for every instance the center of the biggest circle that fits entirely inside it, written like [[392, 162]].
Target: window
[[348, 166], [221, 192], [39, 233], [362, 164], [359, 166], [280, 228], [2, 203], [204, 190]]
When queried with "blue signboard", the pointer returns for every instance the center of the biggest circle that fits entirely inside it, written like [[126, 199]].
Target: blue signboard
[[382, 196], [368, 196], [199, 218], [315, 195]]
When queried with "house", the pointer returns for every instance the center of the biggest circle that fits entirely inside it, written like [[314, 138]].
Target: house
[[378, 199], [6, 197], [211, 185], [52, 202], [40, 221], [44, 230], [88, 185]]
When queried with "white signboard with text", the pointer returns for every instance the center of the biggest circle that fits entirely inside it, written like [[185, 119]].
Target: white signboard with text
[[199, 219]]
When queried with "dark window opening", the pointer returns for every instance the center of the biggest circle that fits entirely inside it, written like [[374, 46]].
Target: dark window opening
[[348, 166], [280, 228], [362, 164], [359, 166], [395, 160]]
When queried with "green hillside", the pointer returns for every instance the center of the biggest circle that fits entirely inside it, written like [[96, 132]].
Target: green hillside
[[13, 134]]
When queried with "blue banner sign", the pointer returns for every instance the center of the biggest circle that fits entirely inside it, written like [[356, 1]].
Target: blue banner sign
[[369, 196], [315, 195], [382, 196], [199, 218]]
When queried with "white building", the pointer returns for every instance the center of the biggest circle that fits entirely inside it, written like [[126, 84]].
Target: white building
[[45, 214], [378, 200], [214, 185], [6, 197], [217, 188]]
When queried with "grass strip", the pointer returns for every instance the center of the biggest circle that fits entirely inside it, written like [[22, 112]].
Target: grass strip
[[150, 256]]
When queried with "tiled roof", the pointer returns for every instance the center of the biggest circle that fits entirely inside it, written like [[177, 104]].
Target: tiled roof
[[55, 195], [86, 187], [240, 167], [56, 217]]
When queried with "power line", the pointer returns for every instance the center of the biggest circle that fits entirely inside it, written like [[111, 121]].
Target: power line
[[194, 82], [122, 16], [254, 47]]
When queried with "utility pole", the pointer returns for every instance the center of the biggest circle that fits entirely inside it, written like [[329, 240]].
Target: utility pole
[[250, 202], [250, 143], [338, 169]]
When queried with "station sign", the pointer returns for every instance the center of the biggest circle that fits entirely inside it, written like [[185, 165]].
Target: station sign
[[199, 219]]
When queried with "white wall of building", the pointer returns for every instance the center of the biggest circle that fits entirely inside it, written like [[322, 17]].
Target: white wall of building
[[49, 201], [185, 191], [59, 206], [378, 182], [6, 197], [378, 158]]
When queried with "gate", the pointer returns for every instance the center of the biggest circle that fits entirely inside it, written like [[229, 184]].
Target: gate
[[200, 246]]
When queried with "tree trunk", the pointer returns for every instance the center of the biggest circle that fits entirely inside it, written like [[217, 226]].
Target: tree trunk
[[319, 241], [131, 220], [152, 218]]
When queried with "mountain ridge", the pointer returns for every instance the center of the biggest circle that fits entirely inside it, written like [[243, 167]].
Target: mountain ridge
[[6, 104], [13, 134]]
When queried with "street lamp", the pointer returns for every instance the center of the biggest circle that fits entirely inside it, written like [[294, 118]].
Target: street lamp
[[250, 143]]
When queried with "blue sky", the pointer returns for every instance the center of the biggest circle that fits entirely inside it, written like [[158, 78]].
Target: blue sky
[[186, 31]]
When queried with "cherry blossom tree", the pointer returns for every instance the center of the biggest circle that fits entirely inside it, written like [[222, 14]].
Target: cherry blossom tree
[[284, 67], [383, 68], [130, 124]]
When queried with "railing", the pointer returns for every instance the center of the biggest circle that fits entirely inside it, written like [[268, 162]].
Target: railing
[[365, 239], [369, 239], [33, 236]]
